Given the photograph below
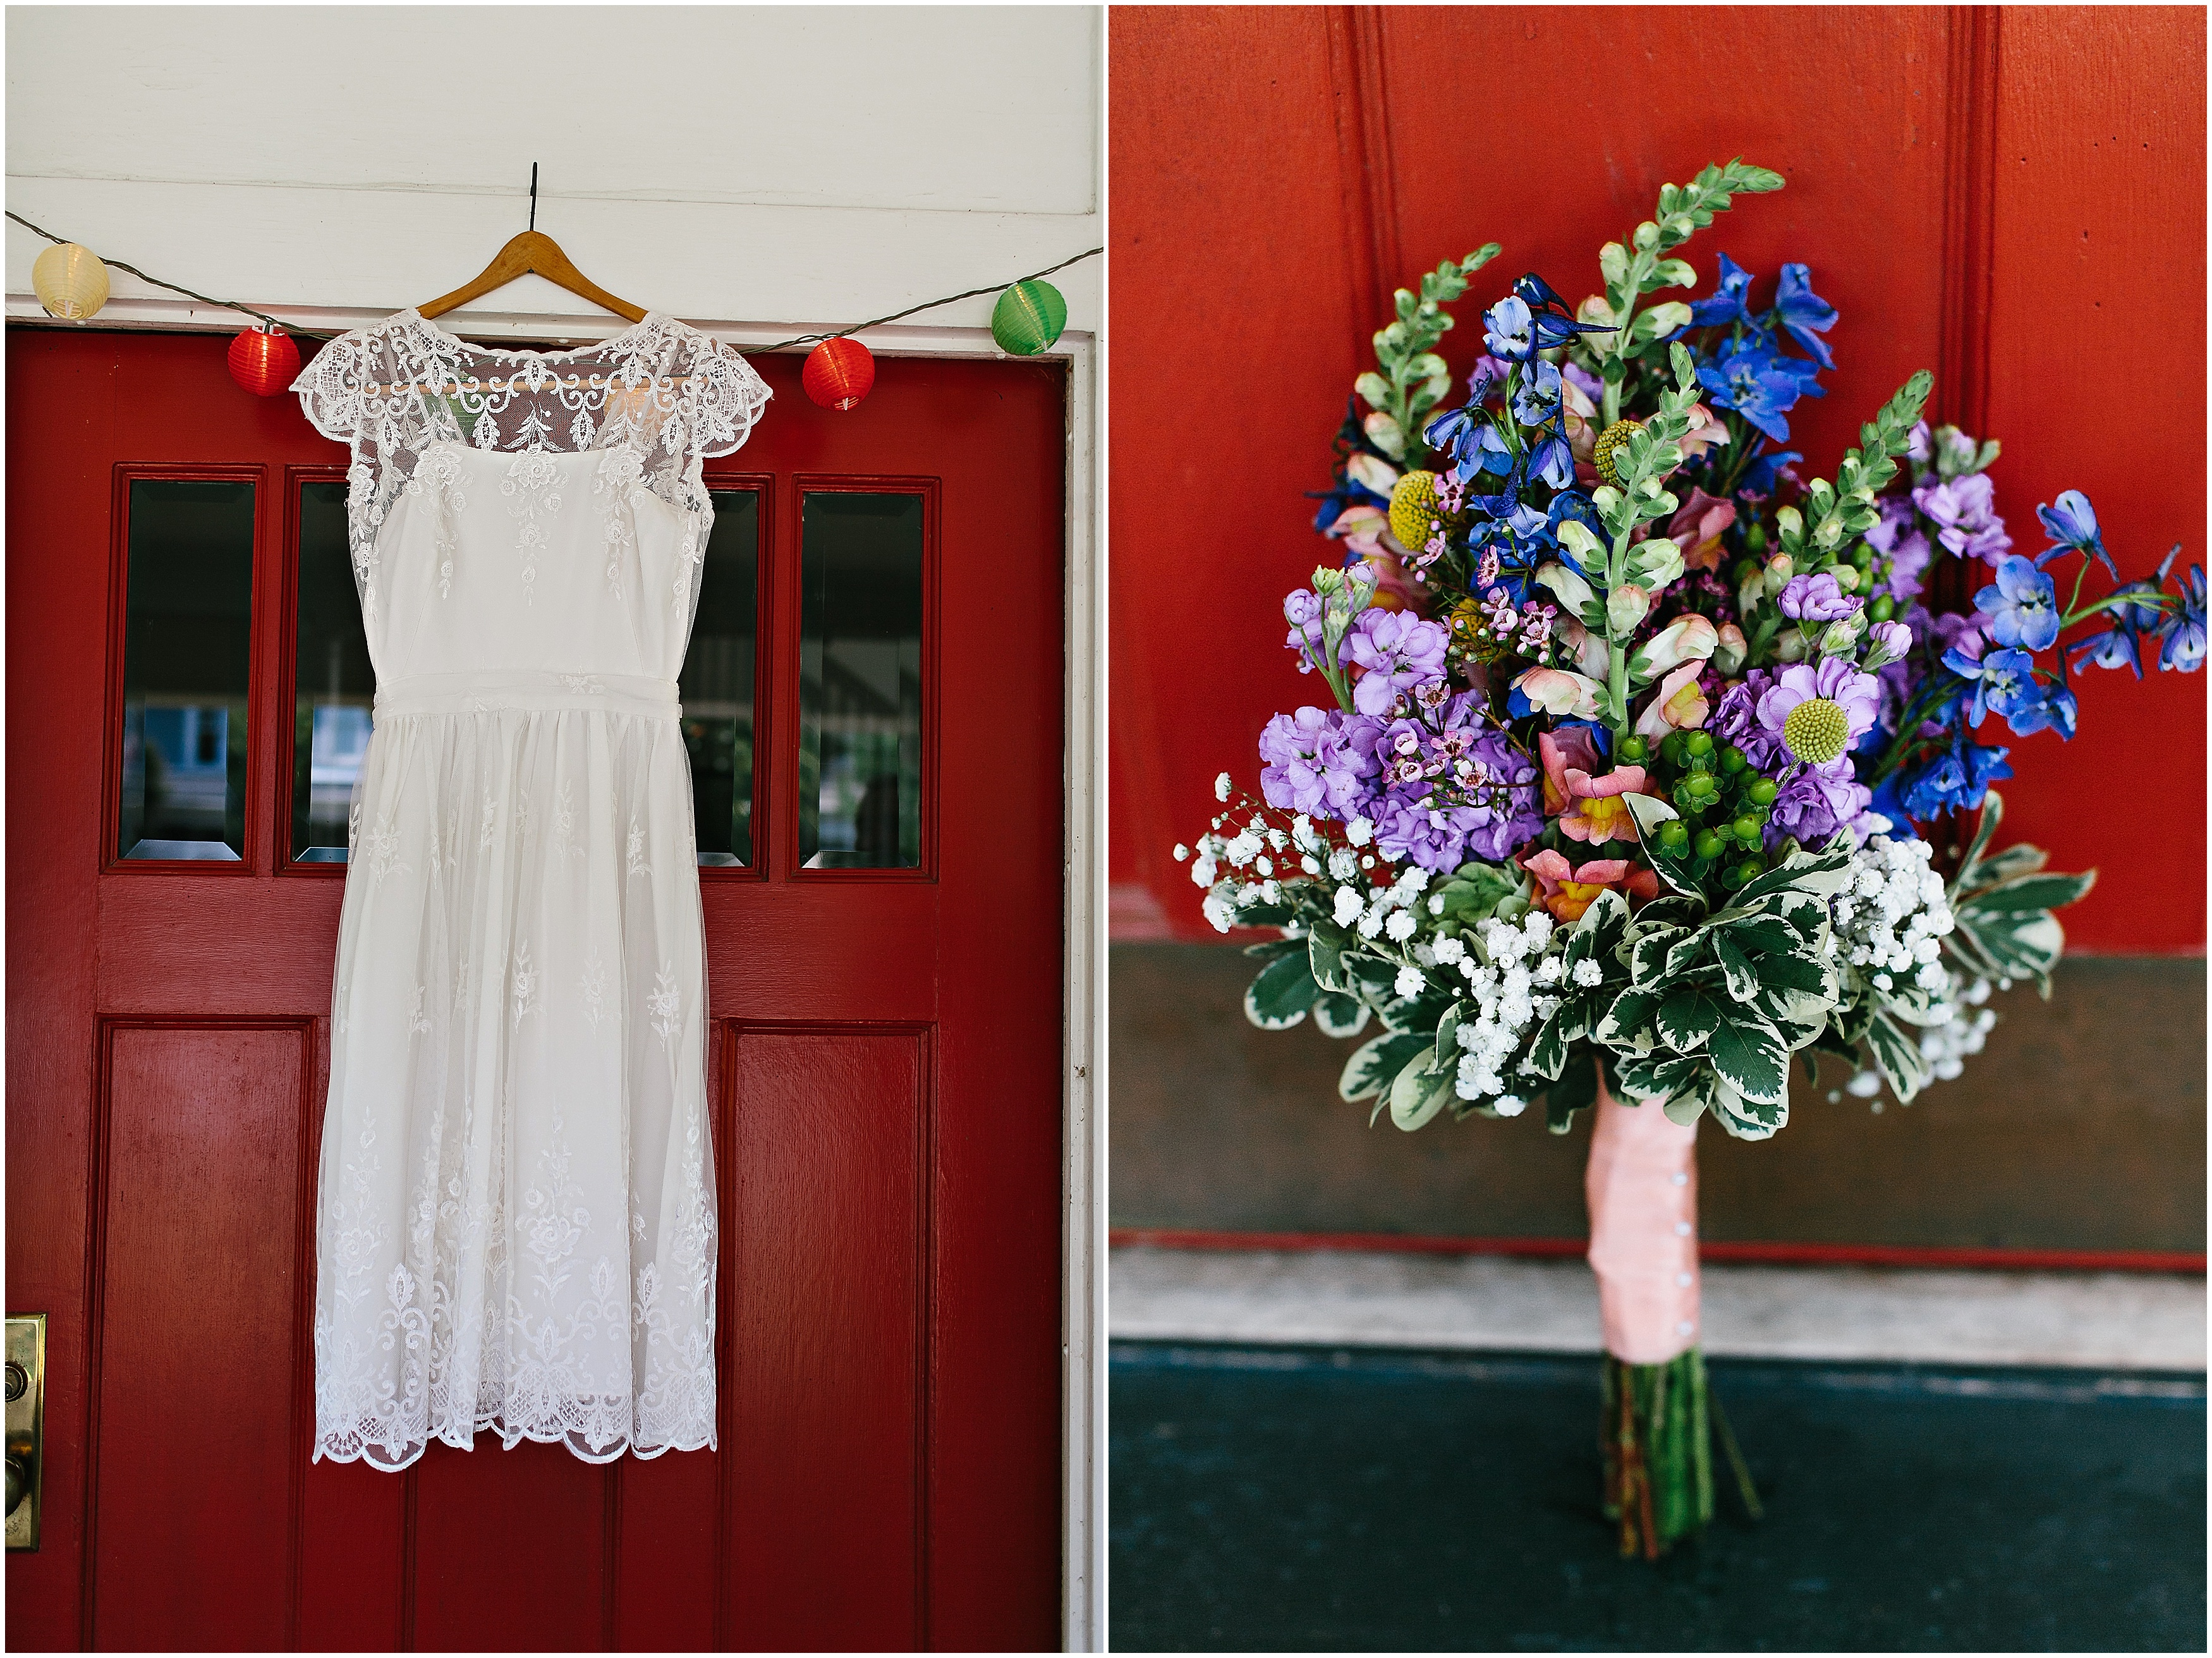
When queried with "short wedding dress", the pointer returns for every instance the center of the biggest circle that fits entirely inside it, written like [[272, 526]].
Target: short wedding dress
[[516, 1227]]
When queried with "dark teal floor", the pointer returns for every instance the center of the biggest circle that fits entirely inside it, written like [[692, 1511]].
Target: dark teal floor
[[1283, 1499]]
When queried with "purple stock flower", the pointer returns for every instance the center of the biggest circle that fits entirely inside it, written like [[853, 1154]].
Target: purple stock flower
[[1319, 761], [1817, 598], [1736, 720], [1897, 537], [1398, 651], [1815, 801], [1964, 515], [1893, 639], [1301, 609]]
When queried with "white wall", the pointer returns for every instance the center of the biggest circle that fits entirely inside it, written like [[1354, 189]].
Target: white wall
[[760, 170]]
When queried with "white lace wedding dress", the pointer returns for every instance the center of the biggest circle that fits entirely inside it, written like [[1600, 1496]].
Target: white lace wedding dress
[[516, 1225]]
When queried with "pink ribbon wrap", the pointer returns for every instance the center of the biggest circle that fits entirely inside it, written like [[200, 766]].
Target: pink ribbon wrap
[[1642, 1187]]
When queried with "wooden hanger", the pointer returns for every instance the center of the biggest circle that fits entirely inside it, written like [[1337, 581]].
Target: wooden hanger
[[533, 253]]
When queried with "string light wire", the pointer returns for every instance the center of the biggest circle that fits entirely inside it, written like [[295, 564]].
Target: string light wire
[[780, 345]]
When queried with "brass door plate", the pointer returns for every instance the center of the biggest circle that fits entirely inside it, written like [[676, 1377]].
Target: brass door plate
[[26, 1403]]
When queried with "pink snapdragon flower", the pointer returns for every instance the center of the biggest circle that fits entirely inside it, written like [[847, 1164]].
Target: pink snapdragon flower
[[1567, 890], [1589, 808], [1679, 704]]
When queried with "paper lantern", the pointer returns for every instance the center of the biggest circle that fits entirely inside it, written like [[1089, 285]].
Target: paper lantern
[[839, 373], [1028, 318], [70, 281], [265, 361]]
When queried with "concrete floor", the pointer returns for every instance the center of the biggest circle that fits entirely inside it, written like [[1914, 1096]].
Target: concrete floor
[[1361, 1298], [1284, 1498]]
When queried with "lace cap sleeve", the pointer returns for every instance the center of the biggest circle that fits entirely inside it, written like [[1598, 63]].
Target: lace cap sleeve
[[332, 388], [731, 397]]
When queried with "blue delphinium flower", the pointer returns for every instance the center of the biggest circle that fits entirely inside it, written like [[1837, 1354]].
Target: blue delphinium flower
[[1955, 780], [1761, 475], [1537, 394], [2005, 683], [2022, 604], [1509, 329], [2072, 523], [1725, 304], [1804, 313], [2181, 640], [1550, 320], [1758, 383]]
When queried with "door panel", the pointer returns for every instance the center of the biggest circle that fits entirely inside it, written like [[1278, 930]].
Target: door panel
[[199, 1151], [884, 1075]]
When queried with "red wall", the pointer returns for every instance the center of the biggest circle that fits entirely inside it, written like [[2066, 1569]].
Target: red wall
[[2016, 201]]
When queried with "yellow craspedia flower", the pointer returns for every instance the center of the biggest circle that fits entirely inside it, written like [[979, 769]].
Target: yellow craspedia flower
[[1414, 512], [1816, 730], [1609, 443]]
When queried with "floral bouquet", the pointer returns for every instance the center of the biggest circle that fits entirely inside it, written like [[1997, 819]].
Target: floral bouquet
[[1613, 799]]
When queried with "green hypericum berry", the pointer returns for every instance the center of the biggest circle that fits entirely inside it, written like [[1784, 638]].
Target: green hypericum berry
[[1732, 760], [1671, 747], [1697, 742], [1733, 876], [1674, 835], [1754, 539], [1883, 608], [1746, 828], [1709, 845], [1701, 784], [1633, 749], [1862, 557], [1752, 867], [1817, 731], [1763, 792]]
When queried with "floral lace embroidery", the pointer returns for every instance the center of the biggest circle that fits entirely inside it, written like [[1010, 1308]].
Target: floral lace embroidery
[[529, 487], [380, 853], [665, 1003], [638, 864], [594, 984], [525, 984]]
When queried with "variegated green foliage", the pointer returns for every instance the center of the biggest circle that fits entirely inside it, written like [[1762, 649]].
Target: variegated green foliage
[[2002, 902], [1716, 1002]]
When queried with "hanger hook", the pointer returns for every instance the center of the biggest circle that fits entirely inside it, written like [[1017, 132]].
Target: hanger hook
[[533, 195]]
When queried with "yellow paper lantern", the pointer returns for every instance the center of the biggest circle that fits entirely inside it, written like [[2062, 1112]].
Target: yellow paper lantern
[[70, 281]]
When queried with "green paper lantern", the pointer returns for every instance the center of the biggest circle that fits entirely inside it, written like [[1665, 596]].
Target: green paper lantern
[[1028, 318]]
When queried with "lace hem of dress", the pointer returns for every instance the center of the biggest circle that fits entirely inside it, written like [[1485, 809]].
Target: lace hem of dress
[[360, 1441]]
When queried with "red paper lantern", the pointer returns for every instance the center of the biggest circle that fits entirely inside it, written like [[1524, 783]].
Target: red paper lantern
[[265, 361], [839, 373]]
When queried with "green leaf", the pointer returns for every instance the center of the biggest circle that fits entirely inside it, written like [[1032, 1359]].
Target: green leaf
[[1272, 948], [1794, 972], [1735, 967], [1748, 1118], [1821, 873], [1749, 1055], [1761, 934], [2031, 893], [1687, 1018], [1647, 958], [1325, 956], [1575, 1091], [1625, 1020], [1339, 1015], [1375, 1064], [1447, 1034], [1280, 997], [1418, 1092], [1898, 1057], [1992, 815], [1685, 954]]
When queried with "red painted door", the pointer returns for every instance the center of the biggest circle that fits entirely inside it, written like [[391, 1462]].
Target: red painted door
[[872, 703]]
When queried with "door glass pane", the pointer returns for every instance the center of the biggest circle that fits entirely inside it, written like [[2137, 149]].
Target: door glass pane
[[333, 683], [188, 608], [859, 682], [717, 683]]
